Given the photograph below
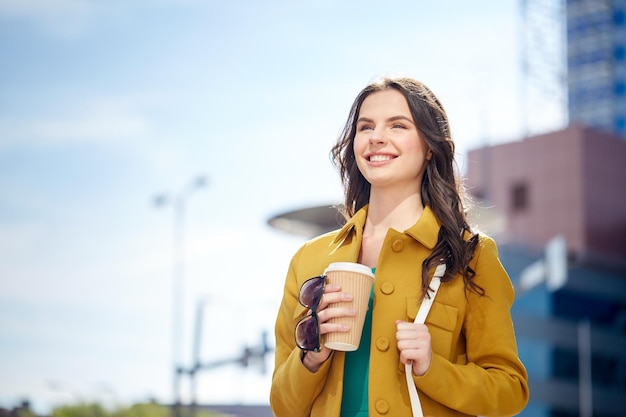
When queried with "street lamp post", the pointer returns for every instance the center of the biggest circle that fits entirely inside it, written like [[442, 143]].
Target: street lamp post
[[178, 202], [195, 364]]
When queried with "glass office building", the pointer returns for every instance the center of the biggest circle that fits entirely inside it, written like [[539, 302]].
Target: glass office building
[[596, 63]]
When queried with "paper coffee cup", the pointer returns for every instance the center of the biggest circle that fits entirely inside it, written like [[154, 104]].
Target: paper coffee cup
[[355, 279]]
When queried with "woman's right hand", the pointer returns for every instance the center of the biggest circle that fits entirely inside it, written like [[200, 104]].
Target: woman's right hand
[[332, 294]]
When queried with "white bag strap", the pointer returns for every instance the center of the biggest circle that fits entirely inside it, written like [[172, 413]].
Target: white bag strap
[[422, 313]]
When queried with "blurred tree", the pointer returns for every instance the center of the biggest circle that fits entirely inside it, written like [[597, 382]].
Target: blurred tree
[[137, 410]]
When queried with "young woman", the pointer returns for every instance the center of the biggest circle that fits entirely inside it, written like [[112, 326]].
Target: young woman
[[404, 205]]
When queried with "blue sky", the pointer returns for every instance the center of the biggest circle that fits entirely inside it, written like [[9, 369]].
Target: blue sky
[[103, 105]]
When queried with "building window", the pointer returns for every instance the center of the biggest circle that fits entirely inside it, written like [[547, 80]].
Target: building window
[[519, 197], [620, 124], [619, 18]]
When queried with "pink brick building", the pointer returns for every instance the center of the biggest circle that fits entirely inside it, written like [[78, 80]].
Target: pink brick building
[[570, 182]]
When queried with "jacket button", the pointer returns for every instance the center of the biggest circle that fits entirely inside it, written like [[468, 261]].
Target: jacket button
[[386, 288], [397, 245], [382, 344], [382, 406]]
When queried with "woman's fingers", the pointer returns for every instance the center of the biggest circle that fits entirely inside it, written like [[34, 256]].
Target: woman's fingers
[[333, 294], [414, 344], [334, 312], [409, 333], [328, 309]]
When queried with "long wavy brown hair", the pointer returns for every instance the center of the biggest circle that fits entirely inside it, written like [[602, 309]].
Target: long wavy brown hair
[[441, 189]]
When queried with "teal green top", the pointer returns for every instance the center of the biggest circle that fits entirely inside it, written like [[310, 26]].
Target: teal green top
[[356, 371]]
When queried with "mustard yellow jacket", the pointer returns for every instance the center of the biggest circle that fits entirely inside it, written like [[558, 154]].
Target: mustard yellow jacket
[[475, 368]]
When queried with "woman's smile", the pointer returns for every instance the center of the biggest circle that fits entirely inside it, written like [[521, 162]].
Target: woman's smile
[[380, 158]]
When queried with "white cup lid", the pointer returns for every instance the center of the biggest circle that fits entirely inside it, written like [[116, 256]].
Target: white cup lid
[[350, 266]]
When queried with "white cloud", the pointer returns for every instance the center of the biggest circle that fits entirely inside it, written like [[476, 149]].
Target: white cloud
[[101, 119], [35, 8], [68, 19], [61, 18]]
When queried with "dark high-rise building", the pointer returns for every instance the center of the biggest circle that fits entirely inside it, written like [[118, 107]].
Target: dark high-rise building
[[596, 63]]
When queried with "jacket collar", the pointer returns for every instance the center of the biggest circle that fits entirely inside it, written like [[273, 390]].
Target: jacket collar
[[425, 230]]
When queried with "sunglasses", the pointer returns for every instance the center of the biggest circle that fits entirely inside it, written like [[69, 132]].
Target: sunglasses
[[307, 331]]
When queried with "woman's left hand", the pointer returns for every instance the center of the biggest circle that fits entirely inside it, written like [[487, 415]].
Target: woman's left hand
[[414, 345]]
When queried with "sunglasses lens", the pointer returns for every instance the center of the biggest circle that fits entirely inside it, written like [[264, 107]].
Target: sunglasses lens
[[307, 329], [307, 333], [311, 292]]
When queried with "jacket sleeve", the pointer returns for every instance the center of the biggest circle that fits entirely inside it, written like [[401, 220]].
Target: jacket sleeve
[[493, 382], [294, 388]]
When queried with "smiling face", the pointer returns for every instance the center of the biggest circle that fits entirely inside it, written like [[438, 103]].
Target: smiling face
[[388, 146]]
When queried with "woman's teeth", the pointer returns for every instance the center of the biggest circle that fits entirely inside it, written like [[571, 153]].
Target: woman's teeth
[[379, 158]]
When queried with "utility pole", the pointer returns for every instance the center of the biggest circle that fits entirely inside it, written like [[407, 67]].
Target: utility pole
[[178, 202]]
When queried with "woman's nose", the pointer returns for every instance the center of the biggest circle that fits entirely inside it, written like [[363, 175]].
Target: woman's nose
[[376, 136]]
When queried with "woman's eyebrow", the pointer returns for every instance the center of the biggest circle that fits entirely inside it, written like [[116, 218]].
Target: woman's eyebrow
[[390, 119], [394, 118]]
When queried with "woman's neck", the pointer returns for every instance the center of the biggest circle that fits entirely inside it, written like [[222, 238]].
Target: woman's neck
[[391, 210]]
